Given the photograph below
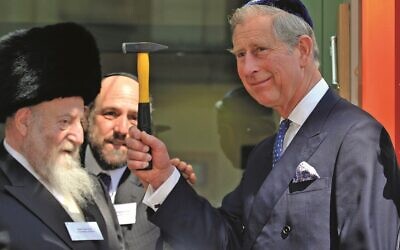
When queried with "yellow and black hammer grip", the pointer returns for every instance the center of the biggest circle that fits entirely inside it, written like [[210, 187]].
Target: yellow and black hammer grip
[[143, 68]]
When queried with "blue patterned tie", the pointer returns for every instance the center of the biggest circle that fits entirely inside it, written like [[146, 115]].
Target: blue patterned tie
[[278, 145]]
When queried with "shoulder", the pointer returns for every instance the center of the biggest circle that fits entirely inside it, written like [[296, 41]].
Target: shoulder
[[347, 117]]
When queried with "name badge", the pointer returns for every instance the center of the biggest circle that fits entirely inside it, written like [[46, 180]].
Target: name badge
[[126, 213], [79, 231]]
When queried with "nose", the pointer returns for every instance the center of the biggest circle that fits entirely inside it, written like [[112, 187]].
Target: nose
[[248, 65], [75, 134], [122, 125]]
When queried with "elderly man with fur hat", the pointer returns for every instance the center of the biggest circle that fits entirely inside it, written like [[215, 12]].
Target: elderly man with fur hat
[[47, 201]]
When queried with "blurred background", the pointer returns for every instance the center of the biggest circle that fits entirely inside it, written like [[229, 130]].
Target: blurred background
[[194, 85]]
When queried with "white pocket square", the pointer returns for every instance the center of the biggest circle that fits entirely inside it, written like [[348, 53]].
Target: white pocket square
[[305, 172]]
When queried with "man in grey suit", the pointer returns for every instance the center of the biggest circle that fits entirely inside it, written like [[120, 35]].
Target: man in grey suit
[[328, 179], [109, 117], [47, 201]]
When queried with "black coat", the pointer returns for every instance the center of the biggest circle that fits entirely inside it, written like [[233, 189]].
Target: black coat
[[32, 218]]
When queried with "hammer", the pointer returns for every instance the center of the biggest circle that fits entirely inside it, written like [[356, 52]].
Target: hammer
[[143, 49]]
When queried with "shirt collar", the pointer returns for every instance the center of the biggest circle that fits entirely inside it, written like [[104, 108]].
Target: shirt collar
[[304, 108], [92, 166], [20, 159], [24, 162]]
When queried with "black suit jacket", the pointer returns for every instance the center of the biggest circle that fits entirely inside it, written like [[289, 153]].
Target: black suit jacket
[[142, 235], [31, 218], [353, 205]]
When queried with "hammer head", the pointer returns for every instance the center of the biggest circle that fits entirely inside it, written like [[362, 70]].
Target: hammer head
[[142, 47]]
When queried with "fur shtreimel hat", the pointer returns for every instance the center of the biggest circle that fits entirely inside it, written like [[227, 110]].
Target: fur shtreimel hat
[[44, 63], [295, 7]]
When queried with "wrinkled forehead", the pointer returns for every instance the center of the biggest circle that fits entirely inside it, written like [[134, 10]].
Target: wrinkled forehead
[[255, 31], [249, 12], [118, 91], [72, 106]]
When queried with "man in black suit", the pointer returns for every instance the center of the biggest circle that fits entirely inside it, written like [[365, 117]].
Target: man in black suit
[[328, 179], [47, 201], [114, 110]]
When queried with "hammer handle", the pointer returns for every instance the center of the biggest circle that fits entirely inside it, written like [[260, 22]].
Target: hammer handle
[[144, 123], [144, 116], [143, 69]]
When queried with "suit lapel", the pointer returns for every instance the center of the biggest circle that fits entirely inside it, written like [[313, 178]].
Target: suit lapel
[[103, 213], [35, 197], [130, 189], [98, 212], [126, 191], [304, 144]]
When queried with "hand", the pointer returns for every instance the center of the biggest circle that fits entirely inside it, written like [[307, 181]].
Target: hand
[[139, 144], [185, 169]]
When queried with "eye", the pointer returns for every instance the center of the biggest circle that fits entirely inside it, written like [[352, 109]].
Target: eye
[[110, 115], [260, 49], [63, 123], [237, 53], [240, 54], [132, 119]]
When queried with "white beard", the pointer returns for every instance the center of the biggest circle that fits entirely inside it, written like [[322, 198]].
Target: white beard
[[60, 170], [66, 176]]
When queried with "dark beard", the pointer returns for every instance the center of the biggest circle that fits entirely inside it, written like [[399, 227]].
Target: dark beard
[[98, 156]]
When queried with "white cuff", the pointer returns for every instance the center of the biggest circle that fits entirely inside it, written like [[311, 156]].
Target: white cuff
[[154, 198]]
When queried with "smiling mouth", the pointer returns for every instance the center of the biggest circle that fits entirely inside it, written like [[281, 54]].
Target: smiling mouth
[[254, 83]]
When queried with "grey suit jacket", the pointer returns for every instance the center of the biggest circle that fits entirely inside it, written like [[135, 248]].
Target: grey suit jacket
[[31, 218], [354, 205], [142, 235]]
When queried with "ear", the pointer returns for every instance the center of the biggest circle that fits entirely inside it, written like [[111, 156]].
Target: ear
[[305, 46], [22, 120]]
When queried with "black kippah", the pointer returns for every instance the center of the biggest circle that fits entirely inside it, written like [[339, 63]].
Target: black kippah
[[295, 7]]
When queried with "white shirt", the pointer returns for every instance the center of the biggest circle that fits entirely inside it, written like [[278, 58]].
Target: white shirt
[[298, 116], [303, 110], [69, 204]]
